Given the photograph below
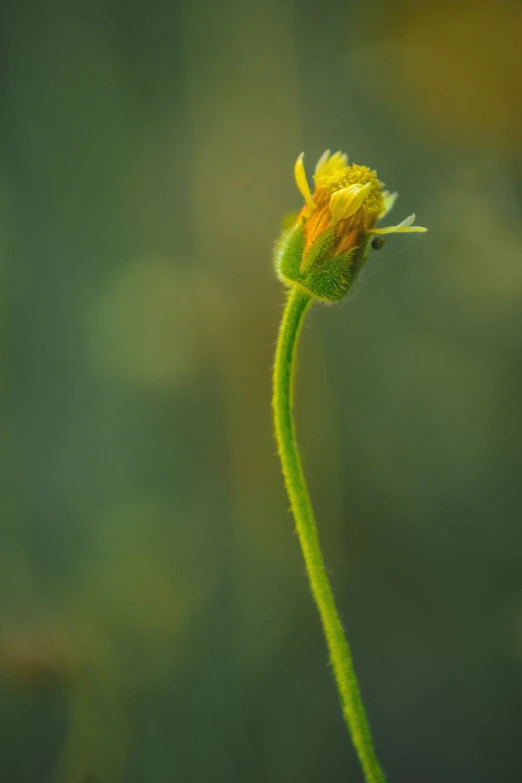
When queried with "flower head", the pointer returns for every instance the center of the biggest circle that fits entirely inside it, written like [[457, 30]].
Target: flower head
[[334, 229]]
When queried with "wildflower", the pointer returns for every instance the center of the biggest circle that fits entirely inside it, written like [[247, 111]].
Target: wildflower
[[329, 243]]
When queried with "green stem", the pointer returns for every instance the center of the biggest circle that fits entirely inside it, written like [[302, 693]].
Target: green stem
[[340, 656]]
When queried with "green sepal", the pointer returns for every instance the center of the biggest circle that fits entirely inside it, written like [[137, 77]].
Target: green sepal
[[332, 280], [320, 253], [320, 272], [288, 253], [360, 258]]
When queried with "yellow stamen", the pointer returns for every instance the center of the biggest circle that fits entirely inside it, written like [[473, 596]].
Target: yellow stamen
[[302, 182], [346, 202]]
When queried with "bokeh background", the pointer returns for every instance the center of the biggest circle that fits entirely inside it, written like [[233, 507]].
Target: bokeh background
[[155, 620]]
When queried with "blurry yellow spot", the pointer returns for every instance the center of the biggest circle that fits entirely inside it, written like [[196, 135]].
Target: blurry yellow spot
[[289, 220], [463, 64], [143, 327]]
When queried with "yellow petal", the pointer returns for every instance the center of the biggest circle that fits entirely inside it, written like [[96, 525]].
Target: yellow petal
[[346, 202], [329, 164], [405, 227], [322, 160], [399, 230], [389, 200], [302, 182], [409, 221]]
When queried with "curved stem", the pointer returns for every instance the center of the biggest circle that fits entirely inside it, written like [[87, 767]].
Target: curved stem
[[340, 656]]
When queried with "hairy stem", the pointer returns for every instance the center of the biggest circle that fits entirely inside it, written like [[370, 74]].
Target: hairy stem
[[340, 656]]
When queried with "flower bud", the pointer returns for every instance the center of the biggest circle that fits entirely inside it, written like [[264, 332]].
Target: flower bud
[[328, 245]]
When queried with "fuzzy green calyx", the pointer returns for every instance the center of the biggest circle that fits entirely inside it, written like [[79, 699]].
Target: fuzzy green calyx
[[322, 272], [328, 245]]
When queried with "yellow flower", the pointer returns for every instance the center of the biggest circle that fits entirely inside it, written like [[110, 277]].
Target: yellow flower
[[330, 241], [349, 199]]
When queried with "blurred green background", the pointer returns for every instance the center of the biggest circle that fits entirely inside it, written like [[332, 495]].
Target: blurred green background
[[155, 620]]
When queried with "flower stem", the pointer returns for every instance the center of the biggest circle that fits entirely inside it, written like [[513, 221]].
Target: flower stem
[[340, 656]]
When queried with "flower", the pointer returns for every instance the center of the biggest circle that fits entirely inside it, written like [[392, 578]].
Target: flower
[[348, 198], [333, 232]]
